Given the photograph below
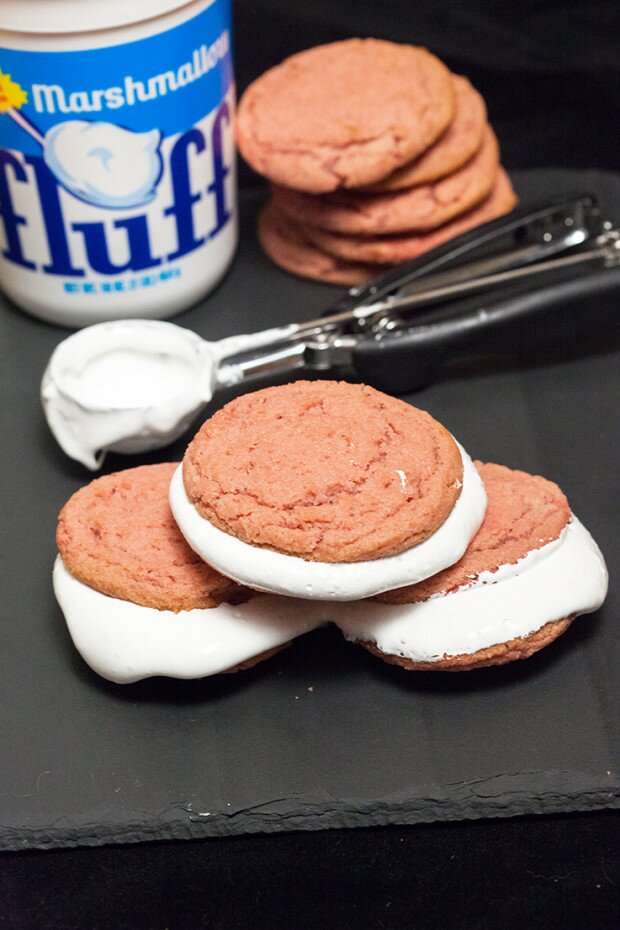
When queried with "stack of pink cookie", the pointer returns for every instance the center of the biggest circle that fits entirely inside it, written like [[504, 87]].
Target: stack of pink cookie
[[376, 153]]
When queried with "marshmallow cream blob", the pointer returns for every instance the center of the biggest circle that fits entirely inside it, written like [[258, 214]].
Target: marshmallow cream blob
[[104, 164], [267, 570]]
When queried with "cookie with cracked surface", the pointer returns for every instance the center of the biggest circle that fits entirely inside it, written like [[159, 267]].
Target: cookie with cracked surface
[[415, 209], [286, 244], [324, 471], [118, 536], [344, 114], [529, 571], [460, 142], [524, 513], [390, 250]]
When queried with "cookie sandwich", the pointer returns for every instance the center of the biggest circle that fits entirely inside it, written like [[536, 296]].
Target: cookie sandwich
[[138, 601], [530, 570], [326, 490]]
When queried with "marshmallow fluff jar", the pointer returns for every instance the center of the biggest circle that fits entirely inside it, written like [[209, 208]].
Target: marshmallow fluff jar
[[117, 158]]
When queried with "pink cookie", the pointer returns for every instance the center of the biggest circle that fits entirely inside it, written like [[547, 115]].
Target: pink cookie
[[344, 114], [454, 148], [416, 209], [390, 250], [287, 246], [118, 536]]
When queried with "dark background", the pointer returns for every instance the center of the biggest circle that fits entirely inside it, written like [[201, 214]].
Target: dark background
[[549, 74], [549, 71]]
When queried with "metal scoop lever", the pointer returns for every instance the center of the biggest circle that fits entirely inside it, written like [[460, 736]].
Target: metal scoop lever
[[528, 252]]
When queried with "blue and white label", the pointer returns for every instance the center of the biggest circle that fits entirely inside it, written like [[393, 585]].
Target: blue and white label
[[117, 169]]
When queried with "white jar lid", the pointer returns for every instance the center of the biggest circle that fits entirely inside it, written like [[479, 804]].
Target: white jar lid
[[74, 16]]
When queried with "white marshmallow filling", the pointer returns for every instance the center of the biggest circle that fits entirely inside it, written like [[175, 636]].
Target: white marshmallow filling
[[125, 642], [567, 577], [278, 573]]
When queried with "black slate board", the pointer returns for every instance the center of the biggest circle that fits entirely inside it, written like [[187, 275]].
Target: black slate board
[[323, 735]]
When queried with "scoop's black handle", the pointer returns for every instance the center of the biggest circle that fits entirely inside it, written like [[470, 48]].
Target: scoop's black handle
[[406, 360]]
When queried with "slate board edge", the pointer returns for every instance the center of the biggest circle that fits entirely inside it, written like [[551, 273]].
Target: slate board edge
[[340, 815]]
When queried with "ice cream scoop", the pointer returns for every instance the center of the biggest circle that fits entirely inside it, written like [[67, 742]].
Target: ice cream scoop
[[133, 385]]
